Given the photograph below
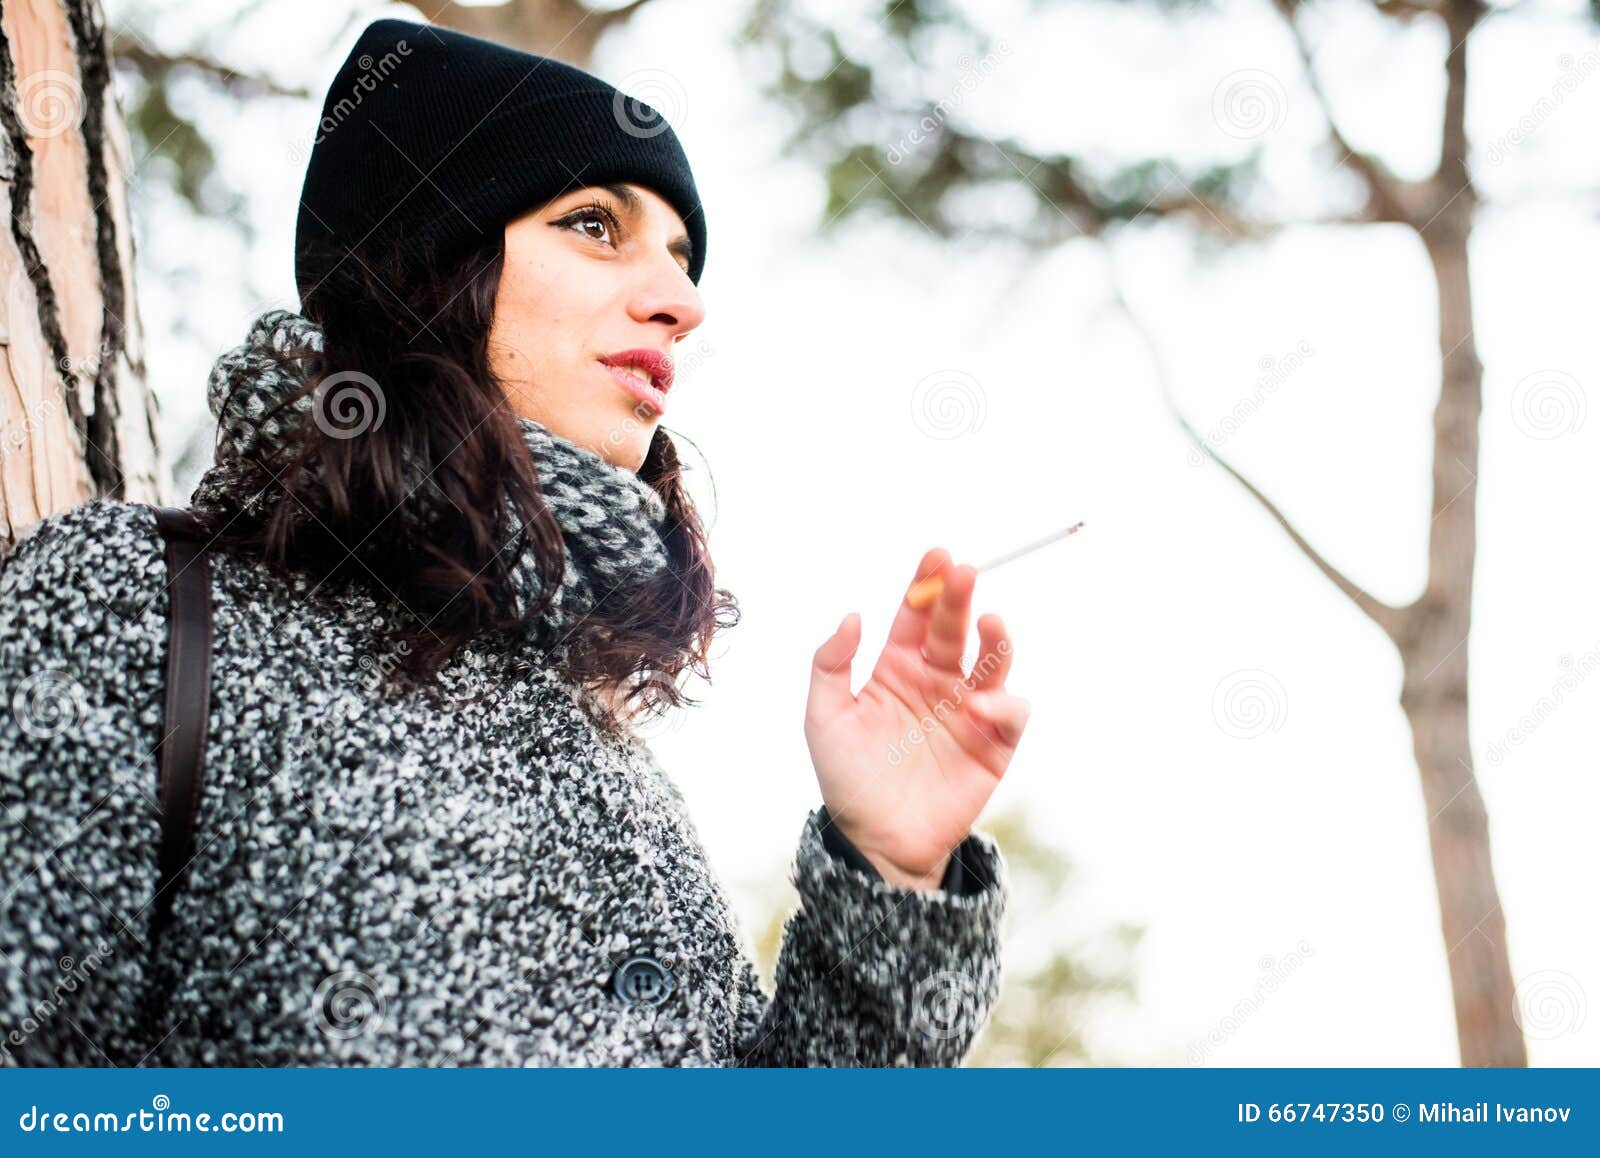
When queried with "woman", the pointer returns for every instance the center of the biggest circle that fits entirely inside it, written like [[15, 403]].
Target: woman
[[454, 564]]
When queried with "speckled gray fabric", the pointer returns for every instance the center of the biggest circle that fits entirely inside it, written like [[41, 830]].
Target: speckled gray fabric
[[396, 882]]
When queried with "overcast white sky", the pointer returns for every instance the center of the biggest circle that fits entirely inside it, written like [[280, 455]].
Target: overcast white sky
[[1241, 842]]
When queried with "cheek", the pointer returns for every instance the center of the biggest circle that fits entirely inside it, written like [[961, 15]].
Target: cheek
[[549, 311], [525, 315]]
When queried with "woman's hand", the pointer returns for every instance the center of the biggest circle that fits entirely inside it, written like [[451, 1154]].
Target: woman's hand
[[907, 764]]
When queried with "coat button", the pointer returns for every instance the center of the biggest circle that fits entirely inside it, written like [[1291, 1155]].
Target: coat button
[[642, 980]]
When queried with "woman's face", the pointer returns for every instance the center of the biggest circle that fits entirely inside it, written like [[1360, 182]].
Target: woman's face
[[598, 275]]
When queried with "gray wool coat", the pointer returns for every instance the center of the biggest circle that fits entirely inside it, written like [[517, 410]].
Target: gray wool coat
[[383, 883]]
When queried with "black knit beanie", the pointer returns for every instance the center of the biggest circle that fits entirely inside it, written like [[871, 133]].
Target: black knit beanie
[[430, 139]]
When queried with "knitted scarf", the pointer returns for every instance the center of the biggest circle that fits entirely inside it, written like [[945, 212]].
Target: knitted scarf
[[612, 522]]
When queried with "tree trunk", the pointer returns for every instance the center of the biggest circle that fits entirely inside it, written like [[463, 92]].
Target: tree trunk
[[1458, 833], [567, 30], [78, 418], [1434, 647]]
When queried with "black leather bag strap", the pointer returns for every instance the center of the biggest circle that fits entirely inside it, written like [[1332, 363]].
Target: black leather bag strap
[[188, 703]]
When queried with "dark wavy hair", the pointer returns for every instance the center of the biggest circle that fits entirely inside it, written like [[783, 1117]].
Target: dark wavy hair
[[353, 510]]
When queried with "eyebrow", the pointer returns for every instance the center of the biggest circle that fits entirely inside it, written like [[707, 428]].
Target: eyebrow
[[680, 246]]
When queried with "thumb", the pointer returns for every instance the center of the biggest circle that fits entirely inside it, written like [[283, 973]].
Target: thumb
[[830, 668]]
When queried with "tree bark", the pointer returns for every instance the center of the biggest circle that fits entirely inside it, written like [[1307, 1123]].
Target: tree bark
[[78, 419]]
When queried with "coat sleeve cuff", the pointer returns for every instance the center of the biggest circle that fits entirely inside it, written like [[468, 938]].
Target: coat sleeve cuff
[[958, 877], [890, 975]]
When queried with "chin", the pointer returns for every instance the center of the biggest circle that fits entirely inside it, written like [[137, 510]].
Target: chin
[[625, 443]]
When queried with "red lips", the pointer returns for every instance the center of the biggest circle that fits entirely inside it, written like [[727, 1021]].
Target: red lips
[[652, 362]]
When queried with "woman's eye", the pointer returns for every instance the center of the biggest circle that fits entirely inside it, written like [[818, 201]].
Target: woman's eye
[[593, 218]]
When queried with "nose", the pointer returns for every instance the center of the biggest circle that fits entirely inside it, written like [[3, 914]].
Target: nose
[[669, 299]]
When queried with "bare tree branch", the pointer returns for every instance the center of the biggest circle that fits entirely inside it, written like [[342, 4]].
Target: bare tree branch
[[1453, 178], [1391, 619], [151, 62], [1216, 217], [1407, 10], [1390, 198]]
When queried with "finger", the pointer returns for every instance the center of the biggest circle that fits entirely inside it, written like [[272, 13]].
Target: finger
[[830, 669], [993, 665], [947, 626], [1006, 715], [910, 624]]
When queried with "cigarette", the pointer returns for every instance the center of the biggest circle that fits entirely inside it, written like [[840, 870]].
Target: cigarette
[[925, 591]]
